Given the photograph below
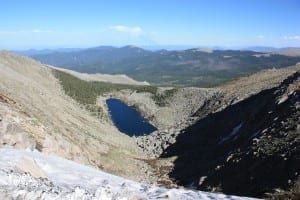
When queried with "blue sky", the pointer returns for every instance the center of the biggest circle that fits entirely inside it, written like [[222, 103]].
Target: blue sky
[[84, 23]]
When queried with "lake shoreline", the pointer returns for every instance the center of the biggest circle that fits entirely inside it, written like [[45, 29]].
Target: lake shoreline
[[127, 119]]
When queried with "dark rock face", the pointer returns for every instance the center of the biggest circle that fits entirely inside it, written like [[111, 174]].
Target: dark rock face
[[249, 148]]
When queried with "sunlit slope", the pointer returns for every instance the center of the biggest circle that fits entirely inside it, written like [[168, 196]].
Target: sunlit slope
[[35, 113]]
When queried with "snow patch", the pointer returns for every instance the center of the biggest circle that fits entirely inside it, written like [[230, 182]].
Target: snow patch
[[70, 180], [255, 134], [234, 131]]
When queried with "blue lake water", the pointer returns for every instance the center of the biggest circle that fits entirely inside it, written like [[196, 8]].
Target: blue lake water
[[127, 119]]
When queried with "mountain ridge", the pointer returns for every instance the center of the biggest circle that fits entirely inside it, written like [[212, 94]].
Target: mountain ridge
[[192, 67]]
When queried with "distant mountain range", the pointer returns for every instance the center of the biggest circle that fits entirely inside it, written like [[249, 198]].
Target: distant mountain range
[[191, 67], [162, 47], [31, 52]]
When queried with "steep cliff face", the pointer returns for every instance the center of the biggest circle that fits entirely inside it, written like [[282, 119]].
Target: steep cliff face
[[250, 146], [35, 113]]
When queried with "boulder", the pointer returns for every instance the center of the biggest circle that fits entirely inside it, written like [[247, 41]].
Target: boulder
[[29, 165]]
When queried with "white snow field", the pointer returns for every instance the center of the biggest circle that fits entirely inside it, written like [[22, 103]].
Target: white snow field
[[69, 180]]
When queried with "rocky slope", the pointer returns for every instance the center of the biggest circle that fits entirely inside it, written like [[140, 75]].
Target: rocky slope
[[247, 142], [35, 113], [188, 105]]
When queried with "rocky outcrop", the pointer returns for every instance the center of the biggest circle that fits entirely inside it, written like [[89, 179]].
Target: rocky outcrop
[[155, 143]]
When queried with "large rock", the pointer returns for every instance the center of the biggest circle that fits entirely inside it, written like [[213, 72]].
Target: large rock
[[29, 165]]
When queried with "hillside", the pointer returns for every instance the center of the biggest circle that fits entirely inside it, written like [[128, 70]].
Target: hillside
[[288, 51], [191, 67], [36, 113], [250, 146]]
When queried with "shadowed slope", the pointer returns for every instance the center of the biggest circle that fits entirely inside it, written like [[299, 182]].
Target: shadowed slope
[[249, 148]]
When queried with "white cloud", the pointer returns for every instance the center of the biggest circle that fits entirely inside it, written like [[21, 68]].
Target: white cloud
[[136, 30], [36, 31], [260, 37], [41, 31], [293, 37]]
